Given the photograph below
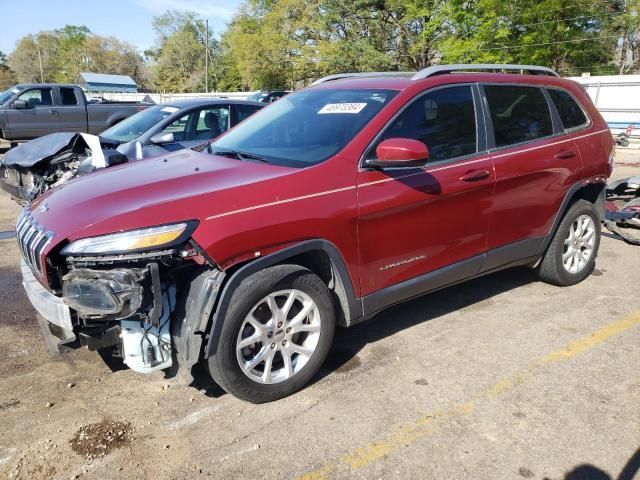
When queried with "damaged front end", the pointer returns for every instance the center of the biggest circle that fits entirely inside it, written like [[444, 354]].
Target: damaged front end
[[123, 293], [32, 168]]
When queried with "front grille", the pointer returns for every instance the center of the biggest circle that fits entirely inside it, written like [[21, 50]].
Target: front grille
[[32, 239]]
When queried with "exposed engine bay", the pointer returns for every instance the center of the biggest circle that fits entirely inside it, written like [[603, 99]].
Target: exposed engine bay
[[32, 168]]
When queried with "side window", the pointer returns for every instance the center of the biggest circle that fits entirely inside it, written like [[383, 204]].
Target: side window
[[519, 114], [68, 96], [244, 111], [178, 128], [37, 97], [570, 112], [444, 120], [212, 122]]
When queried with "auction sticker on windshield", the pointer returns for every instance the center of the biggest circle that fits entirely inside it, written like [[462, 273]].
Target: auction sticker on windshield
[[342, 108], [170, 109]]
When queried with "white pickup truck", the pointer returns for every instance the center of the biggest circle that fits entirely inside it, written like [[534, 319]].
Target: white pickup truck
[[29, 111]]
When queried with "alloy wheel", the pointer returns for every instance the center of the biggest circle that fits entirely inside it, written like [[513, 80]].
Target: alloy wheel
[[278, 337]]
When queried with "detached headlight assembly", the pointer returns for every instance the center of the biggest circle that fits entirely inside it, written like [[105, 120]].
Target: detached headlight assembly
[[132, 241]]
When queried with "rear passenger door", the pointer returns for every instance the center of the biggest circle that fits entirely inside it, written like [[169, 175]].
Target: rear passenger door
[[419, 220], [72, 110], [535, 163]]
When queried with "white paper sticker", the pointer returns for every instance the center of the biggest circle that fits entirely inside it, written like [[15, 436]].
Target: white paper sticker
[[170, 109], [342, 108], [15, 90]]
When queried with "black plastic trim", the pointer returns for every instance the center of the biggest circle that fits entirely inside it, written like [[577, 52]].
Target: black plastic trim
[[421, 285], [354, 304]]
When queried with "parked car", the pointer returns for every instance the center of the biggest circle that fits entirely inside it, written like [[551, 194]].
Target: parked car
[[329, 206], [32, 168], [268, 96], [31, 110]]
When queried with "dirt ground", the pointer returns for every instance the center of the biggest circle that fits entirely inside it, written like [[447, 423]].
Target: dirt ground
[[500, 378]]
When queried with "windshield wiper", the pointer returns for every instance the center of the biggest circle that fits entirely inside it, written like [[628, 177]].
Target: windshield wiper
[[241, 155]]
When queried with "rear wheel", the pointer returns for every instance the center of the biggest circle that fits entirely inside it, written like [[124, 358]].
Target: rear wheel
[[276, 335], [572, 253]]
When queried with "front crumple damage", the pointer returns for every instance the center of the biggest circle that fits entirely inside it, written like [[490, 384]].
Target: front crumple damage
[[34, 167], [139, 307]]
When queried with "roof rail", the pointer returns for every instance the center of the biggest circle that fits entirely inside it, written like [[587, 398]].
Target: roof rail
[[495, 68], [340, 76]]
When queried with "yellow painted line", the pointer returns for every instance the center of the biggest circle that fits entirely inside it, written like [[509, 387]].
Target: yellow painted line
[[423, 426], [597, 337]]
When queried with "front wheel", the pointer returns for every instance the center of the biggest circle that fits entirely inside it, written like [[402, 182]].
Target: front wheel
[[276, 335], [571, 256]]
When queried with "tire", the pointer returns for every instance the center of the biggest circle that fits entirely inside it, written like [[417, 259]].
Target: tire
[[279, 283], [553, 268]]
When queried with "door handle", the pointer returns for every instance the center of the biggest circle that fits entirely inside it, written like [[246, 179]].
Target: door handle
[[565, 155], [53, 112], [475, 175]]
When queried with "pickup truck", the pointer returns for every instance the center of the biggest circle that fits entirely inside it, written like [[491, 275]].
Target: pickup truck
[[31, 110]]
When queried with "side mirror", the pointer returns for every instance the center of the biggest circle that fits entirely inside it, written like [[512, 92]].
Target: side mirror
[[160, 138], [20, 105], [400, 153]]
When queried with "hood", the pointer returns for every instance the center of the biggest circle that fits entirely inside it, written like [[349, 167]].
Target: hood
[[43, 148], [188, 185], [47, 148]]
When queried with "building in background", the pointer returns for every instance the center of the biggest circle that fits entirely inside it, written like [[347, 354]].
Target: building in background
[[617, 97], [102, 82]]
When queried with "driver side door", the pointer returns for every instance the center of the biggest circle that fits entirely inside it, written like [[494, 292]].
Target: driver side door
[[421, 228], [41, 117]]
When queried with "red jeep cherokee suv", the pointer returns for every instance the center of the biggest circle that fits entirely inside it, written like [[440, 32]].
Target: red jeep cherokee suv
[[320, 210]]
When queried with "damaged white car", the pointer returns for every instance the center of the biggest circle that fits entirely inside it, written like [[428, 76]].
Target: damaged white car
[[34, 167]]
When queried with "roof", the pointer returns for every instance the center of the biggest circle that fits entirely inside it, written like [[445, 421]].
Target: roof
[[107, 78]]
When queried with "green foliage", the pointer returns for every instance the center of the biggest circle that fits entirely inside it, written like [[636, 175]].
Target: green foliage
[[65, 53], [288, 43], [7, 77]]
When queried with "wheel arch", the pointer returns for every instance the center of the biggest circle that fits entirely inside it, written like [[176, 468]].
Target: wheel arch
[[319, 256], [593, 192]]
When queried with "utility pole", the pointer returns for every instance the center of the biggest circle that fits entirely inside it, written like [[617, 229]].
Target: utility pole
[[40, 60], [206, 56]]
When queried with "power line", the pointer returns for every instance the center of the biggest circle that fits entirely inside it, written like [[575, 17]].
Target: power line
[[577, 40], [567, 19]]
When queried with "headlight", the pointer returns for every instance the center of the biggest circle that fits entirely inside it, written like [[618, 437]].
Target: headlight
[[132, 241]]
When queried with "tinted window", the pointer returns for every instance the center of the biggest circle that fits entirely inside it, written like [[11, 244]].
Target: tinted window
[[36, 97], [244, 111], [570, 112], [307, 127], [211, 123], [519, 114], [68, 96], [444, 120]]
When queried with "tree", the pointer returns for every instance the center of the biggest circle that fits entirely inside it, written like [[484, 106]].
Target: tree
[[7, 77], [179, 54]]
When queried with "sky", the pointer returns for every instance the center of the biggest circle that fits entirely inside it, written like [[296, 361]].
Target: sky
[[128, 20]]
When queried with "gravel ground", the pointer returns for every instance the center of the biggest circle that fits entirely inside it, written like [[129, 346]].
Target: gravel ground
[[499, 378]]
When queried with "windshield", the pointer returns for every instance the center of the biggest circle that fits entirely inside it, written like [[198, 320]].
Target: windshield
[[305, 128], [7, 94], [134, 126]]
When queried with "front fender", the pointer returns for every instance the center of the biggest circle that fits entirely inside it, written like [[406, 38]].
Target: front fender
[[351, 305]]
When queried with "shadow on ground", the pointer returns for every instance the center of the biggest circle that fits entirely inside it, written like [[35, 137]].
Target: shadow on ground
[[590, 472], [348, 342]]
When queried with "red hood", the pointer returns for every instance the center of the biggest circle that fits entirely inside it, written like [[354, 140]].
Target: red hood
[[138, 194]]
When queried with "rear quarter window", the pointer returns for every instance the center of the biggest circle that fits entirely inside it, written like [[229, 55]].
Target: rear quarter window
[[571, 114], [518, 113]]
